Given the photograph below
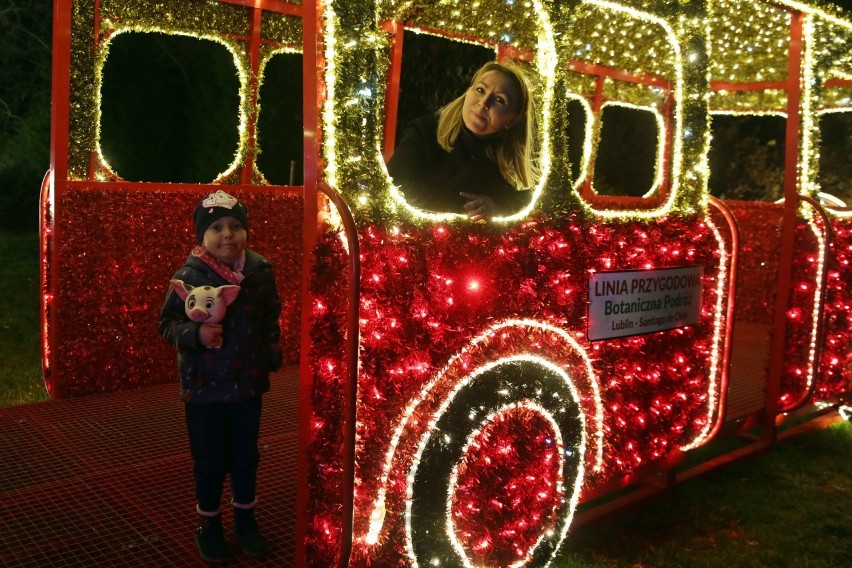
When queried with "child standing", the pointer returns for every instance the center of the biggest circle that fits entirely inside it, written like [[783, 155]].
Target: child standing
[[222, 387]]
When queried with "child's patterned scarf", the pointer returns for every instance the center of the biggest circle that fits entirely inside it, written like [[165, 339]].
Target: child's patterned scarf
[[234, 276]]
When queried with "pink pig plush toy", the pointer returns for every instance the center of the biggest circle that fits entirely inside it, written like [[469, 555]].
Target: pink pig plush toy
[[206, 304]]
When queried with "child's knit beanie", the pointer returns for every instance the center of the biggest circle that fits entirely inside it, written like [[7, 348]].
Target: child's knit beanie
[[215, 206]]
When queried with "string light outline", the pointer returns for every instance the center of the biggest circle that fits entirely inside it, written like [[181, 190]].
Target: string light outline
[[677, 126], [330, 139], [661, 147], [261, 76], [810, 371], [817, 12], [377, 515], [446, 402], [242, 74], [560, 451], [722, 281], [546, 62], [588, 139], [840, 213]]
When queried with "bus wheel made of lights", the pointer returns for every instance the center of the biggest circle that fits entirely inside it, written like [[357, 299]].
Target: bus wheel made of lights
[[475, 498]]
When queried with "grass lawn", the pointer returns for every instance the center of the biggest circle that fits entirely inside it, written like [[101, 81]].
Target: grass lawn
[[789, 507], [20, 346]]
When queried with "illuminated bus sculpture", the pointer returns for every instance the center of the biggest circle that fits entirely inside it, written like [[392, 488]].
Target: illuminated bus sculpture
[[464, 387], [788, 60], [474, 339]]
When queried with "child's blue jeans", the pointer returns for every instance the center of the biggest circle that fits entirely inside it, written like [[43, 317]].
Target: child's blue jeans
[[223, 440]]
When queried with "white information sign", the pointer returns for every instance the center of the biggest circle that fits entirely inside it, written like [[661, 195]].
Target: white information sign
[[634, 302]]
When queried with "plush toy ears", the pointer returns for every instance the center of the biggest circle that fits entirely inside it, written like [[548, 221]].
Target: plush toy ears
[[228, 293], [181, 289]]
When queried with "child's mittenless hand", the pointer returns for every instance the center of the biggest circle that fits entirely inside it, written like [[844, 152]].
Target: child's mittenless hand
[[210, 335]]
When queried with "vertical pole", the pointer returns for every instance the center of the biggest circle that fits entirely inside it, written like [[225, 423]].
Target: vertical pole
[[311, 77], [60, 88], [392, 99], [59, 142], [597, 102], [788, 226], [254, 69], [666, 141], [96, 34]]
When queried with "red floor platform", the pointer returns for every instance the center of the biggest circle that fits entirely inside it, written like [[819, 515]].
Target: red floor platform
[[107, 481]]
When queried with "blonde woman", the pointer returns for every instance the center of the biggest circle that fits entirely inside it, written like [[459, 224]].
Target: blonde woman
[[475, 155]]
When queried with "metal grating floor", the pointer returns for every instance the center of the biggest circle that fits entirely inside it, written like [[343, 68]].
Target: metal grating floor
[[749, 362], [107, 481]]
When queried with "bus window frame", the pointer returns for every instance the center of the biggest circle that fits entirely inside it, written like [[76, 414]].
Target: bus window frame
[[396, 29], [583, 183], [245, 164], [659, 150]]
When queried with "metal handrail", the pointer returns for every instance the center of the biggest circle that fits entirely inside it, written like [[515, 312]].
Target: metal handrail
[[45, 247], [829, 233], [351, 360], [729, 316]]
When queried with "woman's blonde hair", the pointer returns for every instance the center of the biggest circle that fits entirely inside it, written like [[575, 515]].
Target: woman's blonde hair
[[513, 149]]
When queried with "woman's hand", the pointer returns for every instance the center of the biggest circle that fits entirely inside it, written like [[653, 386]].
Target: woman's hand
[[479, 207], [210, 335]]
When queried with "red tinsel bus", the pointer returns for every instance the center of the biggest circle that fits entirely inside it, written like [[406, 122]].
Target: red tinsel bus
[[468, 389]]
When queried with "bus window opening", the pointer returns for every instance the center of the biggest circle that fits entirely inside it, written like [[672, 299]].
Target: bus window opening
[[169, 108]]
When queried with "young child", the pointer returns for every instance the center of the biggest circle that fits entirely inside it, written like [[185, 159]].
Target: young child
[[222, 387]]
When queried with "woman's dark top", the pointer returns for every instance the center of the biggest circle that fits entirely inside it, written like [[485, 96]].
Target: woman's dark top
[[431, 178]]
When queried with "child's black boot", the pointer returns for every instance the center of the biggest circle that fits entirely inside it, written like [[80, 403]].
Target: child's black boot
[[247, 532], [210, 538]]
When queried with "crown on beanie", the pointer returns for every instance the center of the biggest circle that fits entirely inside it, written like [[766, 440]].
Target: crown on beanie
[[215, 206]]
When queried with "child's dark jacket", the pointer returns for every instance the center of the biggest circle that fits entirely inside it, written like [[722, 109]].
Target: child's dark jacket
[[240, 369]]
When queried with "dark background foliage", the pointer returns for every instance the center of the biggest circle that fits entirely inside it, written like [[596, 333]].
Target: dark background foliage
[[169, 108], [25, 36]]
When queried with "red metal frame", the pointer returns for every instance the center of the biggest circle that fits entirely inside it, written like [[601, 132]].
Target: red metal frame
[[254, 64], [727, 349], [45, 250], [60, 126], [828, 233], [311, 79], [788, 227], [279, 6], [597, 69], [602, 73], [351, 359], [59, 134], [597, 103], [838, 83], [792, 86], [56, 183], [508, 51], [397, 32]]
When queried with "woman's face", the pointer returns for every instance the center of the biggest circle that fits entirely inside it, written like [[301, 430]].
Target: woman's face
[[491, 104]]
